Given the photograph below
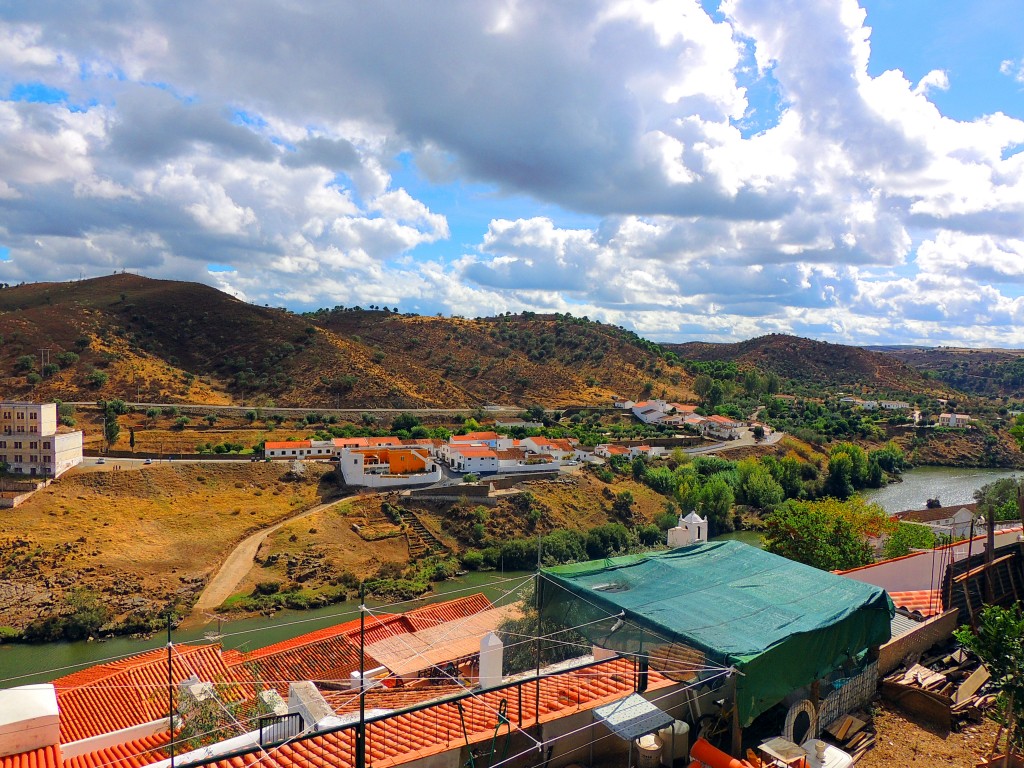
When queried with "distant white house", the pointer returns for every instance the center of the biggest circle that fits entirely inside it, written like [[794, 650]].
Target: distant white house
[[952, 521], [893, 405], [662, 413], [517, 423], [388, 467], [610, 450], [722, 427], [478, 459], [954, 419]]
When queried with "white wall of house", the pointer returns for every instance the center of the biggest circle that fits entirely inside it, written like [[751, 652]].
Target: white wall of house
[[921, 570], [512, 466], [29, 443], [357, 472], [66, 452], [293, 452]]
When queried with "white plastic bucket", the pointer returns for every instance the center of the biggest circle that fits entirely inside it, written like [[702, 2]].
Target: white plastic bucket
[[648, 751]]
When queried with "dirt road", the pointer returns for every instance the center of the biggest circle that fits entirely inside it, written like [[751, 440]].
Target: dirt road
[[236, 565]]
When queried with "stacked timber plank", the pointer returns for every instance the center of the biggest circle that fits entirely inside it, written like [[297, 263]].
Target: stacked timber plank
[[946, 687]]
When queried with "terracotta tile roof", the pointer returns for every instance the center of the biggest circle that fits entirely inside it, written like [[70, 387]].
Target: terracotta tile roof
[[379, 441], [419, 651], [725, 420], [450, 610], [134, 754], [350, 442], [412, 736], [326, 654], [44, 757], [927, 601], [539, 441], [512, 454], [470, 437], [332, 653], [120, 694], [343, 702], [481, 451], [287, 444]]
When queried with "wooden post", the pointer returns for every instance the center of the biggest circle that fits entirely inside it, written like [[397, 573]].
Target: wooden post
[[990, 553], [737, 732]]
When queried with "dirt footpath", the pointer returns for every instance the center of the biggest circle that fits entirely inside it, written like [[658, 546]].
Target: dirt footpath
[[236, 566]]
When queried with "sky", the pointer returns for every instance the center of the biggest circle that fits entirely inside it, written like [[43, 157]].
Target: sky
[[688, 170]]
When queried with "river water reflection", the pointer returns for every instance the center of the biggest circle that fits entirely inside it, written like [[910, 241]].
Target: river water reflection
[[947, 484]]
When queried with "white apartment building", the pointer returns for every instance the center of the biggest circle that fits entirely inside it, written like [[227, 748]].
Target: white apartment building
[[30, 444]]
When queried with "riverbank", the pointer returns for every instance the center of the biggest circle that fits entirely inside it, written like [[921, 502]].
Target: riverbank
[[22, 664], [950, 485]]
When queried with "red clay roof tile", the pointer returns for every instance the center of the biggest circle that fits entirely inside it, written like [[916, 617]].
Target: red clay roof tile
[[134, 754], [128, 692], [44, 757], [409, 736], [927, 601]]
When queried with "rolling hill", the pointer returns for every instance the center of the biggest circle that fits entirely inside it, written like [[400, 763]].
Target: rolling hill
[[165, 341], [805, 362], [986, 372]]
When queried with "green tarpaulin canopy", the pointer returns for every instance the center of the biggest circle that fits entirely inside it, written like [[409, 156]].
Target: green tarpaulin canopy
[[780, 623]]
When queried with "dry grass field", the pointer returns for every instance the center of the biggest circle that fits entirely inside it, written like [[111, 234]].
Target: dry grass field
[[144, 537]]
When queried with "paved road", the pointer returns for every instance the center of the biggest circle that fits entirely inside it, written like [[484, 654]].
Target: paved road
[[206, 408], [236, 565]]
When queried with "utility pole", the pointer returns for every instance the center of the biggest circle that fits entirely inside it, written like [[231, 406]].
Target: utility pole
[[44, 360], [361, 729], [170, 686]]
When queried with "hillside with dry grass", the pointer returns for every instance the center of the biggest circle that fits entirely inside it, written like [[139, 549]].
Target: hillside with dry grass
[[145, 340], [557, 360], [145, 539]]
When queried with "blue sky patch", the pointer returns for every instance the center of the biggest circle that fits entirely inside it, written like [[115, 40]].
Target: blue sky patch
[[219, 268], [37, 93]]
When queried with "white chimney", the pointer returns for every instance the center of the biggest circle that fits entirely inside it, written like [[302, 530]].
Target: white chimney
[[306, 700], [492, 652]]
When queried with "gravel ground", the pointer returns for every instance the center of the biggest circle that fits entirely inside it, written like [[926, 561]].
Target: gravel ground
[[904, 741]]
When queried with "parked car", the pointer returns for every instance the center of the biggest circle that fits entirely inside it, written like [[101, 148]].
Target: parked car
[[148, 461], [101, 461]]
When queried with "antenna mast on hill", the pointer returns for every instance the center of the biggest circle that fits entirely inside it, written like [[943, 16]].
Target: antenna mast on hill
[[44, 360]]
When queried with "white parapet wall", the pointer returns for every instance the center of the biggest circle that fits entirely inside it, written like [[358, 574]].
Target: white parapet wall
[[29, 718]]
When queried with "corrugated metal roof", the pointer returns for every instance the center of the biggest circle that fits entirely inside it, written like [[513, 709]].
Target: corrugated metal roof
[[901, 624]]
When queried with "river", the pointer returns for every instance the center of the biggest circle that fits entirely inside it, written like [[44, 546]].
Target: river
[[948, 485], [21, 664]]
